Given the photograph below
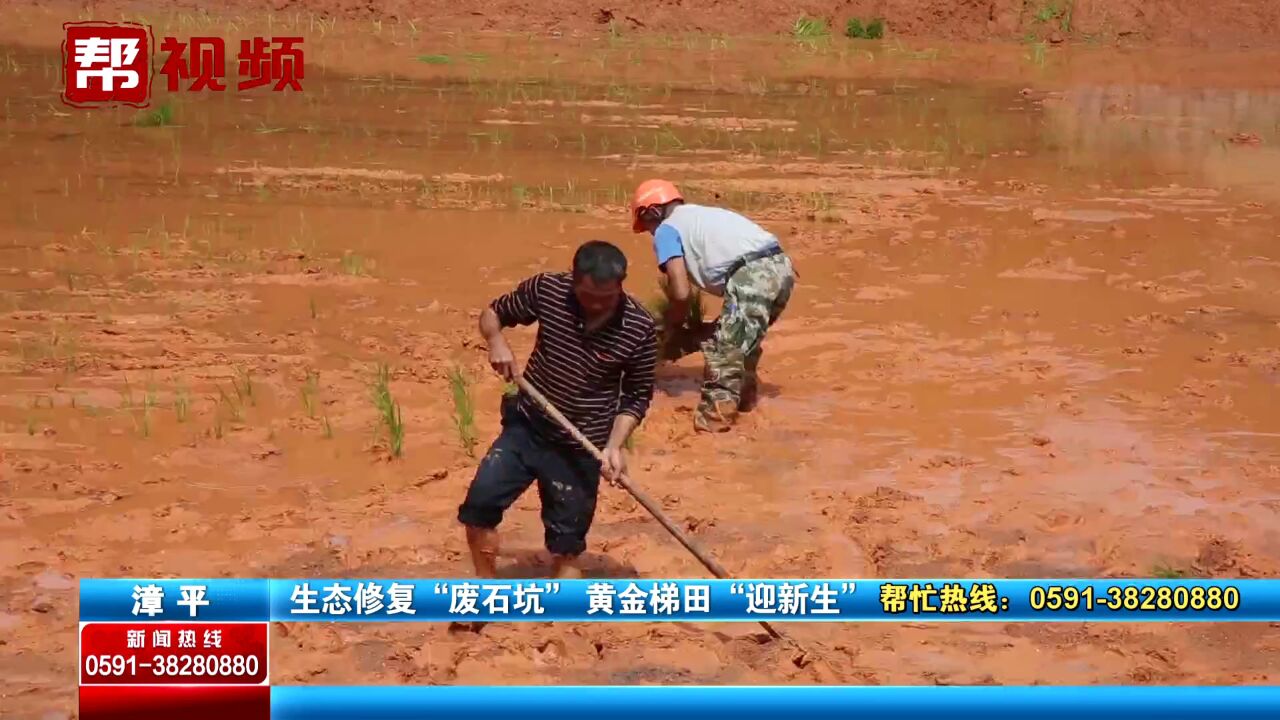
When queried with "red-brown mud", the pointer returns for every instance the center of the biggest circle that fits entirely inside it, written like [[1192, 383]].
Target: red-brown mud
[[1180, 22], [1037, 333]]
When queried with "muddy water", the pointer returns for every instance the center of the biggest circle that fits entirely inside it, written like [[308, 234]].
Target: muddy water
[[1035, 335]]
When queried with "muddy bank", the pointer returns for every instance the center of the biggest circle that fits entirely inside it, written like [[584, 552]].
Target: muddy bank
[[1184, 22]]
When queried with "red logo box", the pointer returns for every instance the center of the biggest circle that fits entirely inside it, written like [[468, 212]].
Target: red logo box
[[106, 64]]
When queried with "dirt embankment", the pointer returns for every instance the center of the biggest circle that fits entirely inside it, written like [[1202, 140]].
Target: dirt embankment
[[1219, 23]]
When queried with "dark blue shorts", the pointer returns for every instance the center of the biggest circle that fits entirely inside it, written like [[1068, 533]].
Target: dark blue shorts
[[568, 484]]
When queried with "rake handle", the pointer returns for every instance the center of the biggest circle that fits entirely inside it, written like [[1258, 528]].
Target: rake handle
[[641, 497]]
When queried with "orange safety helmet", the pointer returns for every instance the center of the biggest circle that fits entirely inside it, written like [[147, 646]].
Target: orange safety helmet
[[650, 193]]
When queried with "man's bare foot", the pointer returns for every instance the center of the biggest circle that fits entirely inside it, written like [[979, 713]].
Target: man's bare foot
[[483, 543], [565, 567]]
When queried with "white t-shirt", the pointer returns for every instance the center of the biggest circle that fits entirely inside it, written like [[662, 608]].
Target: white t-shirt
[[710, 240]]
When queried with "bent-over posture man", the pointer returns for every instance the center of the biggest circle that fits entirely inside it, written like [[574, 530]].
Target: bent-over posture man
[[594, 359], [728, 255]]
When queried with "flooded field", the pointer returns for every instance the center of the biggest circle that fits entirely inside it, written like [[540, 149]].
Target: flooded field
[[1036, 333]]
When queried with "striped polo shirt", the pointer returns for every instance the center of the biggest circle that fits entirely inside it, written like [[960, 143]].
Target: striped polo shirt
[[591, 377]]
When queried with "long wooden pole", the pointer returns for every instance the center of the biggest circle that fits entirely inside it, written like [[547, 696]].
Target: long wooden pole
[[643, 498]]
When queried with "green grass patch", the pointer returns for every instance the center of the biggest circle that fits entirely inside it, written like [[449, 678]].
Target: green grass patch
[[871, 30], [435, 59], [1055, 12], [160, 116], [464, 414]]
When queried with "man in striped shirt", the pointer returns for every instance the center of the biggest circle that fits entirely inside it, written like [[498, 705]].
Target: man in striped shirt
[[594, 359]]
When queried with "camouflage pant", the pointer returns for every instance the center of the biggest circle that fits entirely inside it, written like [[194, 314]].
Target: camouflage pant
[[753, 299]]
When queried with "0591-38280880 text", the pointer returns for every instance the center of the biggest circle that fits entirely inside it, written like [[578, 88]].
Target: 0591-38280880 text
[[1133, 598], [174, 666]]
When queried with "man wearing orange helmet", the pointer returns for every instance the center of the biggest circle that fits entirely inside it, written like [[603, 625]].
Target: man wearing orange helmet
[[728, 255]]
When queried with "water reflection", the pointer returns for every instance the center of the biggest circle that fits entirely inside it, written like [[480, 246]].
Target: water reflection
[[1227, 138]]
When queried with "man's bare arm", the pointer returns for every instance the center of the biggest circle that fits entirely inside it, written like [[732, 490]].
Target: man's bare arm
[[501, 358], [678, 292]]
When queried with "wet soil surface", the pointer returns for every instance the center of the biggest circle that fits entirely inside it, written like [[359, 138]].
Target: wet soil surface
[[1036, 333], [1202, 23]]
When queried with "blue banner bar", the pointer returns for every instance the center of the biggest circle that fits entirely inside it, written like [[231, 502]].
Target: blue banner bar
[[771, 703], [211, 599], [812, 600]]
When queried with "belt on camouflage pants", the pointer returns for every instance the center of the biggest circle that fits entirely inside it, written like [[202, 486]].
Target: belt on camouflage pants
[[752, 257]]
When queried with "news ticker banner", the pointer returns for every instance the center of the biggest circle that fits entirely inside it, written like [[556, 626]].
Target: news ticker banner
[[695, 702], [151, 601], [152, 648]]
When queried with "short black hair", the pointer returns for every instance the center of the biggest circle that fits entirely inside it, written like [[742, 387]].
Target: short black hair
[[599, 260]]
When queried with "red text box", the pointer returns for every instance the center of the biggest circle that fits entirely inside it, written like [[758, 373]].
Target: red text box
[[156, 702], [173, 653]]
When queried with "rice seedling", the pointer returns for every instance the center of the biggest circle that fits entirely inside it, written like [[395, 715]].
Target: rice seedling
[[226, 401], [659, 304], [1037, 55], [182, 405], [687, 335], [519, 194], [328, 429], [161, 116], [615, 31], [315, 312], [353, 264], [243, 384], [435, 59], [872, 30], [820, 202], [31, 424], [310, 391], [389, 418], [142, 418], [809, 30], [1167, 572], [510, 389], [463, 409]]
